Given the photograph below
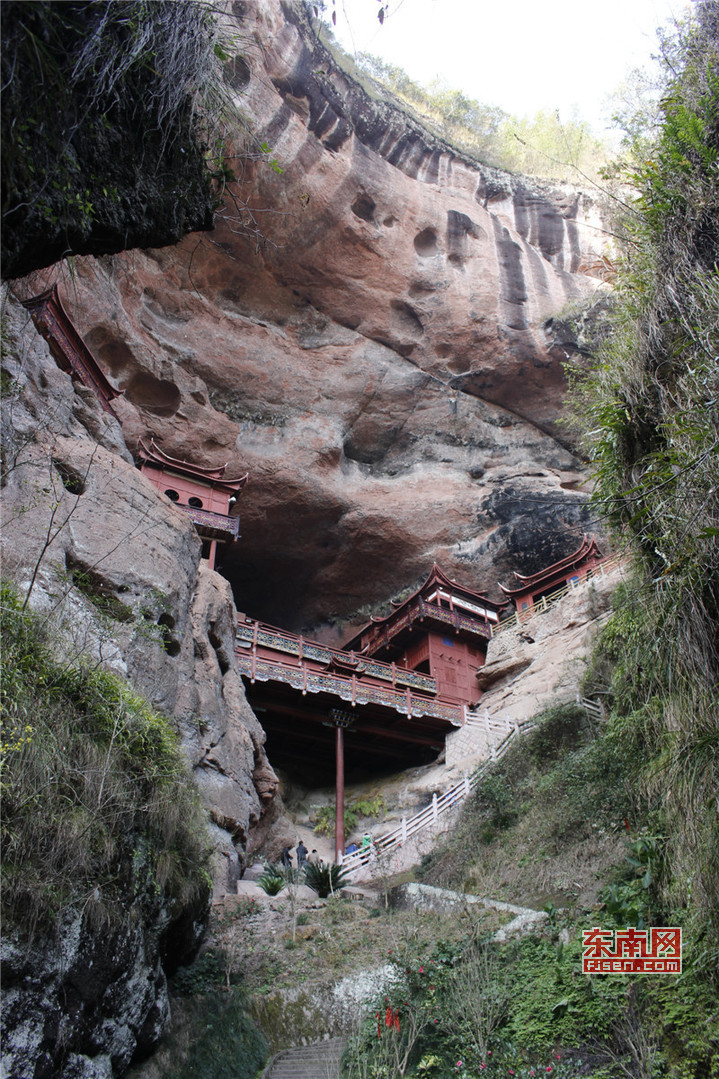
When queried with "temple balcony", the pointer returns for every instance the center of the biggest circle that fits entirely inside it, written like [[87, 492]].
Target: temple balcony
[[287, 652], [353, 689], [212, 525]]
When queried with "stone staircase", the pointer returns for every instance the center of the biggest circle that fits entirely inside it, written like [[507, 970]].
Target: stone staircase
[[318, 1061]]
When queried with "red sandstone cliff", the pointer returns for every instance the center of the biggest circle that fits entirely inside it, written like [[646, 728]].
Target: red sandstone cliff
[[378, 363]]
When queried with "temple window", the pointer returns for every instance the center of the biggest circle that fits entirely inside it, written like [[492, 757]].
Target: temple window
[[172, 495], [195, 502]]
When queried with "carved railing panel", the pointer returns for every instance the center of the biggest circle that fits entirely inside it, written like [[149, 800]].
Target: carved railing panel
[[216, 522], [348, 688], [292, 645]]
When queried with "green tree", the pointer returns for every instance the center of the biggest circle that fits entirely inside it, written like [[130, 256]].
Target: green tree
[[542, 145]]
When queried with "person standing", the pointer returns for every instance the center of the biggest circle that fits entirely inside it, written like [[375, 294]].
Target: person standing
[[286, 858], [301, 854]]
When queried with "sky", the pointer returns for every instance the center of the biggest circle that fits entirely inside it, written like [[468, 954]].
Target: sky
[[523, 55]]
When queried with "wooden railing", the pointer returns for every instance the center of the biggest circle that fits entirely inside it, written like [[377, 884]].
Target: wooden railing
[[216, 522], [351, 688], [546, 603], [384, 633], [251, 634], [592, 708], [383, 844]]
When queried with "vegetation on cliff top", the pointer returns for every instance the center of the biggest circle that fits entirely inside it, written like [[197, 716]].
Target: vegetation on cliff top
[[98, 810], [541, 145]]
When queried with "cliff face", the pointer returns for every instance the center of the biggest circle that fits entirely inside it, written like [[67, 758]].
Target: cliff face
[[117, 571], [378, 361], [112, 559]]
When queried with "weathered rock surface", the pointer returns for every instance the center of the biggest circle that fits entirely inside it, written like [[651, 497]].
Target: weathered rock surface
[[76, 509], [378, 362], [543, 660], [80, 1004], [118, 568]]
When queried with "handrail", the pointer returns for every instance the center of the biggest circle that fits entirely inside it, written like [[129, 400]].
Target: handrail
[[594, 708], [552, 598], [439, 804], [347, 687], [250, 634]]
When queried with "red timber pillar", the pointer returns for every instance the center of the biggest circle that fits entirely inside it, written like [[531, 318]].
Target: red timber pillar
[[340, 720], [339, 793]]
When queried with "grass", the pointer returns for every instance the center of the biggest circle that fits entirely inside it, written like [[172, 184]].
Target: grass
[[545, 823], [98, 808]]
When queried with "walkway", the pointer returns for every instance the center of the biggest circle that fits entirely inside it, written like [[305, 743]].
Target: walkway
[[267, 654], [363, 862], [318, 1061]]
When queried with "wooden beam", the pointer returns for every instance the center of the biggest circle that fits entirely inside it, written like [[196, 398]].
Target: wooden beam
[[326, 744]]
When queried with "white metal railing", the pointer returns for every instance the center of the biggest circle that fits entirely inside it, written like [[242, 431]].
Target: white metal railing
[[547, 602], [485, 722], [442, 803], [594, 708]]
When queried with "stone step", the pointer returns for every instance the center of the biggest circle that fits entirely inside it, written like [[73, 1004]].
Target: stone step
[[318, 1061]]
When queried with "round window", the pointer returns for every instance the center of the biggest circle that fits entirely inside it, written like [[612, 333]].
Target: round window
[[172, 495], [196, 503]]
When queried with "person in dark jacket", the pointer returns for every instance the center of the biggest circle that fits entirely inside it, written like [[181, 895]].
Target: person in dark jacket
[[286, 858], [301, 854]]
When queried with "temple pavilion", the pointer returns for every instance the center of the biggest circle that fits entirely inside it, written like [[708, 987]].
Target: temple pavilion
[[567, 572], [441, 630], [203, 492], [407, 678], [69, 351], [386, 700]]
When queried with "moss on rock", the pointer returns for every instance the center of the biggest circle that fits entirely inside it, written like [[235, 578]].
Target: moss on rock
[[101, 127]]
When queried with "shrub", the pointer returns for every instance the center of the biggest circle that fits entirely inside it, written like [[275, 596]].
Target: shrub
[[98, 806], [227, 1044], [324, 878], [205, 974], [325, 816], [272, 880], [561, 728]]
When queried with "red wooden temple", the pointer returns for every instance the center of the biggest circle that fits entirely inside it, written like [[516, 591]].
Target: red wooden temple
[[67, 347], [442, 630], [568, 571], [202, 492], [387, 699]]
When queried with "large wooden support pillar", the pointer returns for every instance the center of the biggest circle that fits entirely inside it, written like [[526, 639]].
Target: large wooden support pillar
[[339, 793], [340, 720]]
